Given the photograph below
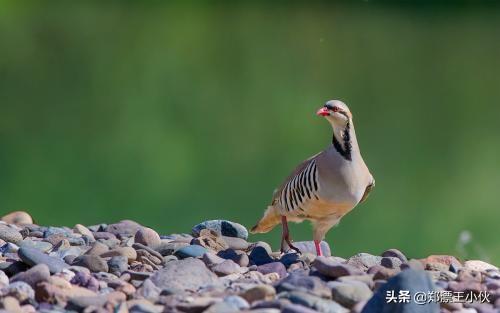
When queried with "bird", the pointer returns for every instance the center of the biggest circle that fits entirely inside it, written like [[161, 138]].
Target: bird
[[323, 188]]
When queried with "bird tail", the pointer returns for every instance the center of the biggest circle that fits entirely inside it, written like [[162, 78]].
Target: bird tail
[[270, 219]]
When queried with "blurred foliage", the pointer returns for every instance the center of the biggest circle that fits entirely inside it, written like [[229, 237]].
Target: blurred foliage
[[170, 113]]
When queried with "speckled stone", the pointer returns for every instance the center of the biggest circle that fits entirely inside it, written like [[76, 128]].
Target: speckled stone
[[222, 227]]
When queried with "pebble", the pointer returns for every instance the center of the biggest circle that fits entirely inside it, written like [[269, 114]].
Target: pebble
[[236, 302], [4, 279], [349, 293], [130, 268], [381, 272], [480, 266], [310, 247], [313, 302], [118, 264], [127, 252], [34, 275], [301, 281], [333, 269], [97, 248], [363, 261], [235, 243], [93, 262], [9, 234], [147, 237], [225, 268], [144, 307], [193, 251], [273, 267], [11, 305], [222, 227], [37, 244], [103, 235], [443, 259], [168, 248], [391, 262], [9, 248], [395, 253], [211, 259], [184, 274], [80, 229], [33, 257], [296, 308], [239, 257], [17, 218], [86, 280], [414, 281], [259, 293], [260, 256], [80, 303], [19, 290]]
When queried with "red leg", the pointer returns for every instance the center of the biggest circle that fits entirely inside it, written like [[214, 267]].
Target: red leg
[[317, 243], [285, 236]]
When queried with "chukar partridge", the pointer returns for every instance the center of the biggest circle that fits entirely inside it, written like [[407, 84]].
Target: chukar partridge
[[325, 187]]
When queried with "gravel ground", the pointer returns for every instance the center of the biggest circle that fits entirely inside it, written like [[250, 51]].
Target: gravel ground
[[127, 267]]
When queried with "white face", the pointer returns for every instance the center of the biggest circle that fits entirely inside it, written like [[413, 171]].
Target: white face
[[336, 112]]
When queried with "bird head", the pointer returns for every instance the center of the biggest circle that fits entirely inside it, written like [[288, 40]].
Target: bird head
[[336, 112]]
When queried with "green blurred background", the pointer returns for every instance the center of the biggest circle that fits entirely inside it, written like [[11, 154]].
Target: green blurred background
[[173, 113]]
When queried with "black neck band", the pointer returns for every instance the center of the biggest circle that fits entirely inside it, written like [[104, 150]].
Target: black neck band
[[344, 149]]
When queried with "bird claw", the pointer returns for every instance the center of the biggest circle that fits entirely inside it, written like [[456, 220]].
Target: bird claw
[[296, 249], [290, 247]]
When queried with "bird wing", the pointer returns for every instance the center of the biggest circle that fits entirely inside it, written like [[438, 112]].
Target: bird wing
[[299, 187], [367, 190]]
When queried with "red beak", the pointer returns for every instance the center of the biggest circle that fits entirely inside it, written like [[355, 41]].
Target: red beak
[[323, 112]]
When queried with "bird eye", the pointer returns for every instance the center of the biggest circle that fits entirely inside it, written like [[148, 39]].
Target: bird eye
[[335, 109]]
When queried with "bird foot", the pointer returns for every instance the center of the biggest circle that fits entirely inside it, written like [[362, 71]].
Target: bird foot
[[290, 246], [285, 237]]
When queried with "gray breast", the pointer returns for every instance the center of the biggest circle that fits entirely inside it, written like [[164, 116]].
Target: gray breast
[[342, 181]]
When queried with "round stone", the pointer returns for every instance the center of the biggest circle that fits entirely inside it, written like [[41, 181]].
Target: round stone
[[273, 267], [34, 275], [222, 227], [128, 252], [193, 251], [18, 218], [227, 267], [333, 269], [123, 228], [260, 292], [93, 262], [348, 294], [9, 234], [80, 229], [395, 253], [147, 237], [97, 248]]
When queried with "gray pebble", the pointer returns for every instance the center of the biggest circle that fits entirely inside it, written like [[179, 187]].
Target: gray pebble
[[193, 251], [33, 257]]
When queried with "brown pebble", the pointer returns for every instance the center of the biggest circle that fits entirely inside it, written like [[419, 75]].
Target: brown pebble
[[18, 218]]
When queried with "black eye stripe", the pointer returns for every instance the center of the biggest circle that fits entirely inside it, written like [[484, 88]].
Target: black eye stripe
[[334, 109]]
